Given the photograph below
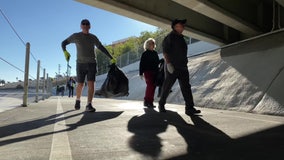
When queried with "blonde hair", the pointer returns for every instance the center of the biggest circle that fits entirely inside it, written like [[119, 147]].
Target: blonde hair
[[147, 43]]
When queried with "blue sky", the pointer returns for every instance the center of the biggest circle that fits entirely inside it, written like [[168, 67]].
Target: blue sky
[[45, 24]]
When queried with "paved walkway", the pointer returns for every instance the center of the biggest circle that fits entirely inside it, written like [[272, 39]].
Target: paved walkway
[[120, 129]]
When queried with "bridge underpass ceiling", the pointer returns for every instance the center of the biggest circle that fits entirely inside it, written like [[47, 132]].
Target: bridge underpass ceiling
[[281, 2], [215, 21]]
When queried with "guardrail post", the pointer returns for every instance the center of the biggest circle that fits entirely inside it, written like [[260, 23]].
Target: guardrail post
[[37, 80], [43, 85], [47, 86], [26, 80]]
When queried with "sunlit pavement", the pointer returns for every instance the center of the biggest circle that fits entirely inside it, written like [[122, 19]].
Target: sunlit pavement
[[120, 129]]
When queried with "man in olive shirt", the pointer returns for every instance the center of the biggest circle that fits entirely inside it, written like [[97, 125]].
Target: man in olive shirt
[[86, 61], [175, 54]]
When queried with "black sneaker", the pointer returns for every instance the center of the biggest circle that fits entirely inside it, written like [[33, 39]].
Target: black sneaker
[[90, 108], [77, 105], [145, 103], [191, 111], [149, 105], [162, 109]]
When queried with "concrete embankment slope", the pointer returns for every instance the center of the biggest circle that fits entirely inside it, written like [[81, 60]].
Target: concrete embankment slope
[[246, 77]]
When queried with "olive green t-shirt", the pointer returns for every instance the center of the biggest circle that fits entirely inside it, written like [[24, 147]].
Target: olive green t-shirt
[[85, 44]]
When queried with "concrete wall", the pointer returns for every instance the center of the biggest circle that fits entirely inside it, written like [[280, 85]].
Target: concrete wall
[[200, 47], [247, 76]]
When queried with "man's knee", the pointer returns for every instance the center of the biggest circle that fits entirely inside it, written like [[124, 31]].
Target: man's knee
[[80, 85]]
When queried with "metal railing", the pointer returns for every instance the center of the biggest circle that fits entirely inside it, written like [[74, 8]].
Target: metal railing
[[40, 87], [29, 87]]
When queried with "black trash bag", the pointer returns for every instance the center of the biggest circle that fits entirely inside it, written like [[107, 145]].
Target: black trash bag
[[116, 83], [160, 76]]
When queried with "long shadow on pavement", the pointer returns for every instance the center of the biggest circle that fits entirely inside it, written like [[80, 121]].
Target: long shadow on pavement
[[86, 119], [204, 141], [89, 118], [32, 124]]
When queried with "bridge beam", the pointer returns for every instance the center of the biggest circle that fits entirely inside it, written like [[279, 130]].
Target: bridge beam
[[216, 21]]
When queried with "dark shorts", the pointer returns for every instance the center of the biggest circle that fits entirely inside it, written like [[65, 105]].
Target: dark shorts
[[83, 69]]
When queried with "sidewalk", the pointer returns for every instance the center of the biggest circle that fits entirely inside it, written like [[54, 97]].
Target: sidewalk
[[120, 129]]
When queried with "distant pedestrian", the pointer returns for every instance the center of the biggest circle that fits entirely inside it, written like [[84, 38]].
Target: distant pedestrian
[[60, 89], [175, 54], [86, 61], [71, 85], [148, 69]]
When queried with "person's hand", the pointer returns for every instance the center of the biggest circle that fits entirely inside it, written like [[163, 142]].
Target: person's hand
[[170, 68], [67, 55], [113, 61], [142, 77]]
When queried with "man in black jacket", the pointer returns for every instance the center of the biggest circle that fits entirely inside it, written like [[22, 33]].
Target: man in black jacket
[[175, 54]]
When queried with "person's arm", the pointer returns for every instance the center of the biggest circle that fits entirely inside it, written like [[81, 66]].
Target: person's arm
[[101, 47], [105, 51], [166, 49], [70, 39], [64, 44], [166, 57], [66, 53], [141, 64]]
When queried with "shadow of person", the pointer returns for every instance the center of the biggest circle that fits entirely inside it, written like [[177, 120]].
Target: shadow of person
[[89, 118], [32, 124], [204, 141], [262, 145], [146, 128], [201, 137], [267, 144]]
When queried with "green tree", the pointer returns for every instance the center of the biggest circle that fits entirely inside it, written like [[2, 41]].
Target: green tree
[[2, 81]]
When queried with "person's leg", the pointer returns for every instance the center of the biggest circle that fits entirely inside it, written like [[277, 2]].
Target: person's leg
[[167, 85], [91, 91], [79, 89], [183, 79], [62, 92], [150, 88], [81, 70], [159, 91], [69, 89], [72, 91], [91, 77]]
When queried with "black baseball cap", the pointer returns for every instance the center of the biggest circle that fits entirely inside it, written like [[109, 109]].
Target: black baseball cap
[[176, 21], [85, 21]]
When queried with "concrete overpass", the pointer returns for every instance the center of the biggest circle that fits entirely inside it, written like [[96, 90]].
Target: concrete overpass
[[215, 21]]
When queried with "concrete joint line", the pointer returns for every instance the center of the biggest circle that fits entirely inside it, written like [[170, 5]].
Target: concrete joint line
[[60, 148], [275, 77], [268, 87]]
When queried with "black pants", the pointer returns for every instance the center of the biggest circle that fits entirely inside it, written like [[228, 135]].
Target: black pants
[[71, 90], [183, 78]]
